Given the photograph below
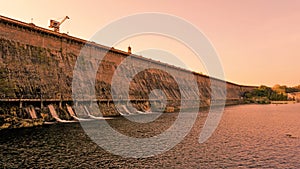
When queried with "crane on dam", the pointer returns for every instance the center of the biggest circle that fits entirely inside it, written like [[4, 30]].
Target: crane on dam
[[56, 24]]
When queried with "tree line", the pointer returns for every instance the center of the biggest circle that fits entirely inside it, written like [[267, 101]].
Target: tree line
[[265, 94]]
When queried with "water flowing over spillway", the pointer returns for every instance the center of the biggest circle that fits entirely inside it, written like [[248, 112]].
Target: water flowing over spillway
[[32, 112], [55, 116]]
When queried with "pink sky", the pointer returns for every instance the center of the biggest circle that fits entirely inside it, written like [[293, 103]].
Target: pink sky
[[257, 41]]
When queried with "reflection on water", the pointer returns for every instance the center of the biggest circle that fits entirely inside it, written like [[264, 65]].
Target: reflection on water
[[248, 136]]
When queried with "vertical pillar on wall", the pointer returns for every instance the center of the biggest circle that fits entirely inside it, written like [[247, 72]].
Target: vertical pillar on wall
[[41, 98], [61, 46], [42, 106], [43, 40], [21, 104], [60, 104], [60, 101]]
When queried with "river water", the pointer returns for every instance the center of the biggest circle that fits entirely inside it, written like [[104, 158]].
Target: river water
[[248, 136]]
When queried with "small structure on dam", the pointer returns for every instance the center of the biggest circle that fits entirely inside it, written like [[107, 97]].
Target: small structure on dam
[[36, 70]]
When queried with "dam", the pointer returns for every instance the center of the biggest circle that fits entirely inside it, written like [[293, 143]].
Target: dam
[[37, 71]]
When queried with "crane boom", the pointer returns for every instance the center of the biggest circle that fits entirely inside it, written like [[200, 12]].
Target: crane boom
[[64, 20]]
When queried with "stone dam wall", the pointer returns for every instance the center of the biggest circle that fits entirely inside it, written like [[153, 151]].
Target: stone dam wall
[[37, 71]]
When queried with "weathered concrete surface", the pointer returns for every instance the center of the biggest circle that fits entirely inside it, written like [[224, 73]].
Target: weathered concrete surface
[[36, 63]]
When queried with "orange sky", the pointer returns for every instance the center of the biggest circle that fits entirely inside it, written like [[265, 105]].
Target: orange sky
[[257, 41]]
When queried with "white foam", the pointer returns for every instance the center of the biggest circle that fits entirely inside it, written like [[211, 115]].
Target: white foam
[[55, 116], [94, 117]]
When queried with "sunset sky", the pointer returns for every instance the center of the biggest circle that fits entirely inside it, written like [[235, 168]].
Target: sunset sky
[[258, 41]]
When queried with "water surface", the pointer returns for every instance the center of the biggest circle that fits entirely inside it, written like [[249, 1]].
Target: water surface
[[248, 136]]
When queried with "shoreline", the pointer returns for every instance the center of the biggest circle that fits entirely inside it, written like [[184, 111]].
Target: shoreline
[[13, 122]]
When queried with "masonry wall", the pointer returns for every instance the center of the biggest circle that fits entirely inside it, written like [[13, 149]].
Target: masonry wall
[[36, 63]]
